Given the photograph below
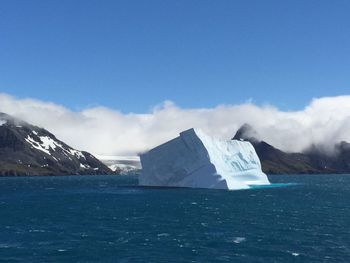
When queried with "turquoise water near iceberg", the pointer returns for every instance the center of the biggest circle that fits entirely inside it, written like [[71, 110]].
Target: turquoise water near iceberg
[[300, 218]]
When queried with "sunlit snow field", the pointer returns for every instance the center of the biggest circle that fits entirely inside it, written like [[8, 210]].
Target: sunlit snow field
[[301, 218]]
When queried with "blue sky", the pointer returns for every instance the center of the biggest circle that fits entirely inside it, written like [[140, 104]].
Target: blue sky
[[132, 55]]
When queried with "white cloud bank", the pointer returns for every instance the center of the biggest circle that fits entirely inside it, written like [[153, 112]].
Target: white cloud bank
[[105, 131]]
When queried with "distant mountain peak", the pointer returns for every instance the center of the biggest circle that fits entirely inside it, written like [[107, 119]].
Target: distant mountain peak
[[11, 120], [247, 133]]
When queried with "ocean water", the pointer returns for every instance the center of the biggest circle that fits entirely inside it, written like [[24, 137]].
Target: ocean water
[[301, 218]]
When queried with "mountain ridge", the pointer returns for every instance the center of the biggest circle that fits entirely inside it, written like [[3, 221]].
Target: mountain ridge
[[310, 161], [26, 149]]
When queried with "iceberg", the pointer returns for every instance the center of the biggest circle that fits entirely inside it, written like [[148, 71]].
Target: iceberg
[[197, 160]]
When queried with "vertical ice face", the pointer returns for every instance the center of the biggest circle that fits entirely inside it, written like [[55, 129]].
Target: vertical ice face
[[197, 160]]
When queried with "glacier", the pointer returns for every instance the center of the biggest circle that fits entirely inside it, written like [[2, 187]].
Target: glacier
[[197, 160]]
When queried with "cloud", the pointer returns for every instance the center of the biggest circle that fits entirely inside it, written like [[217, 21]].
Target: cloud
[[106, 131]]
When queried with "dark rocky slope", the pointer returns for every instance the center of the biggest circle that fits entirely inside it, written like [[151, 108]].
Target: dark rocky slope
[[29, 150], [313, 160]]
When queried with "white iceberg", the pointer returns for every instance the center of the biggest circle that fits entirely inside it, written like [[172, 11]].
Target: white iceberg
[[197, 160]]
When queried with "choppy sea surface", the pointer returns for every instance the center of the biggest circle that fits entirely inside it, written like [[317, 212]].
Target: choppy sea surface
[[300, 218]]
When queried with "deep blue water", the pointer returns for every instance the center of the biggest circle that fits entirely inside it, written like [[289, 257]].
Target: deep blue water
[[109, 219]]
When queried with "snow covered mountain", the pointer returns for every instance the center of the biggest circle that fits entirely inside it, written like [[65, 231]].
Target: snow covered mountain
[[26, 149], [123, 165], [197, 160]]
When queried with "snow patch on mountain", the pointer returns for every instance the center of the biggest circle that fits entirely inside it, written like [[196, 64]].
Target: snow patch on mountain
[[37, 145], [83, 166], [77, 153], [48, 145]]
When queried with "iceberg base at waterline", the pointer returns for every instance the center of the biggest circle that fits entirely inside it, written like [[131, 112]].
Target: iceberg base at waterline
[[197, 160]]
